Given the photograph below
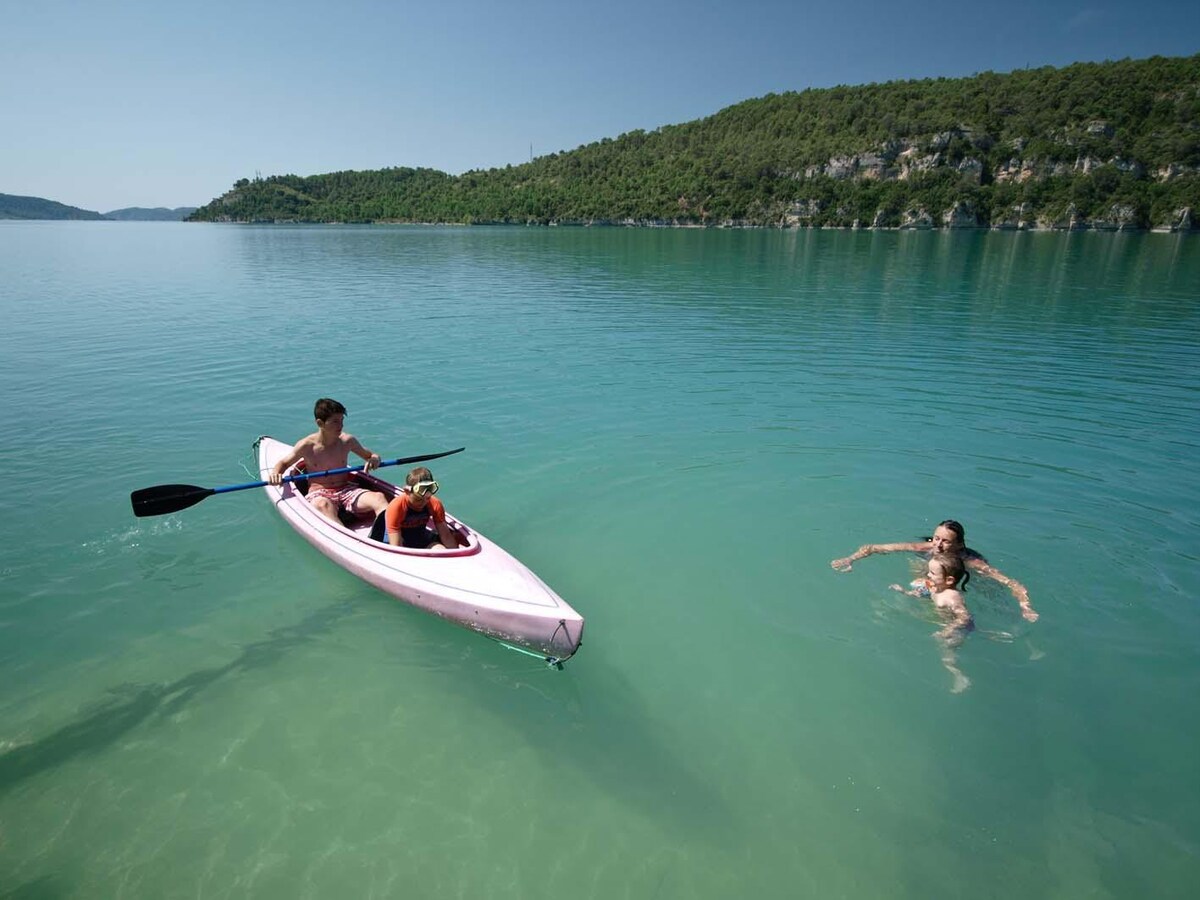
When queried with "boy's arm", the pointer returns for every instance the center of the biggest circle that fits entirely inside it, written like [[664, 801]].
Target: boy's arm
[[844, 564], [296, 454], [1018, 590], [446, 534], [393, 517], [371, 458]]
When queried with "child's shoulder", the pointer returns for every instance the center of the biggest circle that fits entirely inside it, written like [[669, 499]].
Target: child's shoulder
[[950, 597]]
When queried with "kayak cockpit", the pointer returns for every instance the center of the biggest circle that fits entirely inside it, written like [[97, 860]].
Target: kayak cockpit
[[371, 529]]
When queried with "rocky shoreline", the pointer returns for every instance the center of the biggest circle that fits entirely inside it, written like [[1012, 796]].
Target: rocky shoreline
[[918, 219]]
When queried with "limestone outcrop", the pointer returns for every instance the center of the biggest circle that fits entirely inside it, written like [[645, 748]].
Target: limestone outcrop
[[961, 215]]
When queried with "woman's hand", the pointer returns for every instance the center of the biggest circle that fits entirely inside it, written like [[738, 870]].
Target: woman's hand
[[1022, 594]]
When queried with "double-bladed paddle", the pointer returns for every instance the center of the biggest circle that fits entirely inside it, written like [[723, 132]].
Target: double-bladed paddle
[[168, 498]]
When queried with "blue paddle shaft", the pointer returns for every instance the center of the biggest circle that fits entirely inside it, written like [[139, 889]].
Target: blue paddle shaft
[[168, 498], [387, 462], [342, 470]]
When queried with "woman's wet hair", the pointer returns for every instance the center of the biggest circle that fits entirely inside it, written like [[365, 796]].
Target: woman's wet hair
[[957, 528], [954, 526]]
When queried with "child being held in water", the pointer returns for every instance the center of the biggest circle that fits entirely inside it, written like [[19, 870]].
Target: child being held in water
[[945, 573]]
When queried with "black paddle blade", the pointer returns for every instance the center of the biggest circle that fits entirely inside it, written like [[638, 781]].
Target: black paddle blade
[[167, 498], [425, 458]]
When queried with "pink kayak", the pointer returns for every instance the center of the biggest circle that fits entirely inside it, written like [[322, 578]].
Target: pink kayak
[[477, 585]]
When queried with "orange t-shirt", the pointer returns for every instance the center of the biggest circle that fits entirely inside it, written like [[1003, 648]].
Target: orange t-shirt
[[401, 516]]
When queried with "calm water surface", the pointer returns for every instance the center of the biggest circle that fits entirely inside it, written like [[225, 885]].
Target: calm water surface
[[677, 430]]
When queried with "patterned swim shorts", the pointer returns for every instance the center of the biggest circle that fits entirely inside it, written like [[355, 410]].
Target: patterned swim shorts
[[345, 497]]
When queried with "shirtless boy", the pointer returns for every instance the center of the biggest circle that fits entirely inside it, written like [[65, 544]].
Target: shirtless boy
[[329, 448]]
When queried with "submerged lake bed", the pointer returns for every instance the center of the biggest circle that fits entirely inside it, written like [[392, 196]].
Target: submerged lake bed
[[677, 430]]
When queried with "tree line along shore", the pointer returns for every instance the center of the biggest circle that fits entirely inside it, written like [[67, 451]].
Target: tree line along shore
[[1108, 146]]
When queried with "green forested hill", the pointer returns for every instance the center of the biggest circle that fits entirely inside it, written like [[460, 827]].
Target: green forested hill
[[1110, 145], [14, 207]]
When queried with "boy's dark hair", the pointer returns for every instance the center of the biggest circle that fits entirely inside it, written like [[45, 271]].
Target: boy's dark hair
[[324, 408]]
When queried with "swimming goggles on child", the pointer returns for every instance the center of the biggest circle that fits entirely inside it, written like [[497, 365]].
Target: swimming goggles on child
[[425, 488]]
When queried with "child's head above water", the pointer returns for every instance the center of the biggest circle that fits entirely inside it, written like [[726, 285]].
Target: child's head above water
[[947, 571], [420, 484]]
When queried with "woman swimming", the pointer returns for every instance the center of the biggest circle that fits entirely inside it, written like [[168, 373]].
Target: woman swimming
[[948, 537]]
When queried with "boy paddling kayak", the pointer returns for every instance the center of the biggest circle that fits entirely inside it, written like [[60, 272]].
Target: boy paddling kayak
[[329, 447]]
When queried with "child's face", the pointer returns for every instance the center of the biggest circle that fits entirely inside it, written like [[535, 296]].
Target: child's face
[[937, 578], [419, 493], [332, 425]]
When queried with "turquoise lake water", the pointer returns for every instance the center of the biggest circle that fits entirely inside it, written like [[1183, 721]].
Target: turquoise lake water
[[677, 430]]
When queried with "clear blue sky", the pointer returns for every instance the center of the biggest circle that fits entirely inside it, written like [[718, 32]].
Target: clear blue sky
[[107, 104]]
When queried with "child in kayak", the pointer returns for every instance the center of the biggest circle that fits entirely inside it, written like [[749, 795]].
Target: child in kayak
[[944, 575], [948, 537], [329, 448], [413, 510]]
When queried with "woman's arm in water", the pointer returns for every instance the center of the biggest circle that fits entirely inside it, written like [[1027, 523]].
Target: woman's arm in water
[[1018, 590], [844, 564]]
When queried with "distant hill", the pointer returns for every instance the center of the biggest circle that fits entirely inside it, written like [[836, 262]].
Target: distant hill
[[1111, 145], [158, 214], [13, 207]]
